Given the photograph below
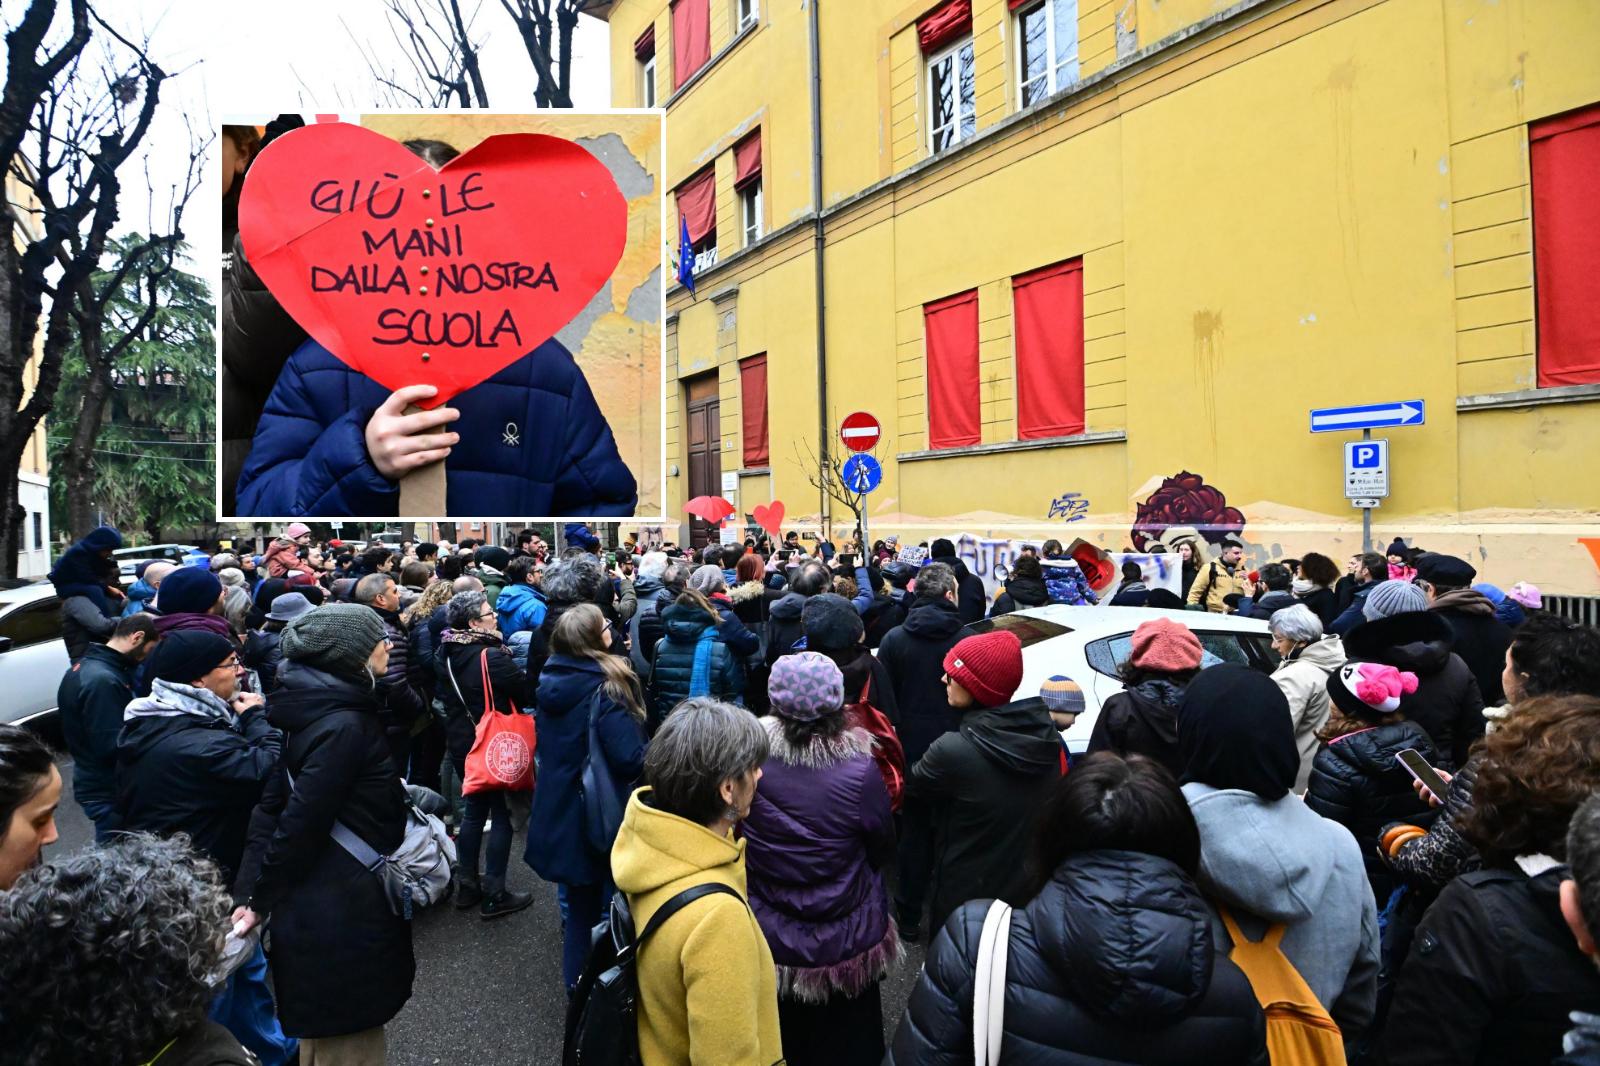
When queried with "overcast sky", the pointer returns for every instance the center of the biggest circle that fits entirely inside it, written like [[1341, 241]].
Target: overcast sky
[[252, 61]]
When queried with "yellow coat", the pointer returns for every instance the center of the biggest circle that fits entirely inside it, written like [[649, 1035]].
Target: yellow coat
[[708, 991], [1225, 585]]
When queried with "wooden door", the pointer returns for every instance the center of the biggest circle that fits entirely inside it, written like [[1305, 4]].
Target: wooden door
[[705, 451]]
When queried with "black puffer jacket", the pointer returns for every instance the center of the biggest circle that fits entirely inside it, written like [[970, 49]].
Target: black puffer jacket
[[674, 661], [1492, 975], [969, 589], [1111, 963], [262, 652], [913, 654], [1481, 639], [332, 930], [783, 626], [1447, 703], [885, 613], [1020, 592], [459, 683], [1356, 781], [402, 688], [984, 782], [1142, 720]]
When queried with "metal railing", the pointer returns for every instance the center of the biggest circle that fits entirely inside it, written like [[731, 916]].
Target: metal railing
[[1584, 610]]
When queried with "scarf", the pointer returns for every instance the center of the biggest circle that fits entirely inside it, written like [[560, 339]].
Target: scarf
[[173, 699], [173, 623], [1302, 588], [470, 636], [700, 676]]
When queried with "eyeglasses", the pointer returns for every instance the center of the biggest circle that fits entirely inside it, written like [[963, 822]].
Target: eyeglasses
[[487, 617], [230, 663]]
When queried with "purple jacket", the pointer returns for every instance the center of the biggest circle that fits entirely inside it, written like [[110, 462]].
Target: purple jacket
[[818, 834]]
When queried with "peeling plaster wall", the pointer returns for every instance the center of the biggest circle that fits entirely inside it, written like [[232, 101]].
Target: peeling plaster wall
[[616, 339]]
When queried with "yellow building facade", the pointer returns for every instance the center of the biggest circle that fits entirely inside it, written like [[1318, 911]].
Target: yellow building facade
[[1278, 205]]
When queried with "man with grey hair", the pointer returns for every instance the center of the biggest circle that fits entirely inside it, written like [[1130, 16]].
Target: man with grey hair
[[402, 688], [913, 655], [1309, 657]]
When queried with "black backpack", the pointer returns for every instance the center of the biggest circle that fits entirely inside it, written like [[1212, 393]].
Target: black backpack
[[602, 1017]]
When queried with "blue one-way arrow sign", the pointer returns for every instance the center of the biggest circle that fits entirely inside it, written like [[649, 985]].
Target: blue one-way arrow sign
[[1368, 416]]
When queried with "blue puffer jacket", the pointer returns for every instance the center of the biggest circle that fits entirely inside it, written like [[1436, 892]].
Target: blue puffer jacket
[[674, 661], [560, 850], [520, 607], [533, 441]]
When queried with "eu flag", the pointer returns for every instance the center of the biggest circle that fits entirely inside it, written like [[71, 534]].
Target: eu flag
[[685, 255]]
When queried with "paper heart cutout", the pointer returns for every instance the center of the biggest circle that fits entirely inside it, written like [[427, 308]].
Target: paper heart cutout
[[769, 518], [384, 260]]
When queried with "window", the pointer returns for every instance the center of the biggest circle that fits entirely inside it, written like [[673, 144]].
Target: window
[[749, 11], [1048, 325], [644, 51], [34, 624], [952, 96], [38, 529], [1028, 631], [747, 182], [1047, 47], [1254, 650], [691, 39], [951, 326], [750, 202], [753, 409], [697, 204], [1564, 158]]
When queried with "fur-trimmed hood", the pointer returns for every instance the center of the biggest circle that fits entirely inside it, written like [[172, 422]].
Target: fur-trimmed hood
[[747, 591], [819, 753]]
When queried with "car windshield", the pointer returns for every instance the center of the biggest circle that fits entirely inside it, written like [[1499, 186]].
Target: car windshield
[[1028, 630], [1247, 649]]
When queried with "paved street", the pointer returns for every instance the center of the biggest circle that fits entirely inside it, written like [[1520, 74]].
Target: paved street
[[487, 993]]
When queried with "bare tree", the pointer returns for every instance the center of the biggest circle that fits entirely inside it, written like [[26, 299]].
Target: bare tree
[[85, 112], [436, 40], [827, 474], [534, 19]]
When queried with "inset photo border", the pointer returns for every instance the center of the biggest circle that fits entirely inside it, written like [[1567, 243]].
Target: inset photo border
[[441, 314]]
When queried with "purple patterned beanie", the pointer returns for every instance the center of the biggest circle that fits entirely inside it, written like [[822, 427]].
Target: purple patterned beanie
[[805, 686]]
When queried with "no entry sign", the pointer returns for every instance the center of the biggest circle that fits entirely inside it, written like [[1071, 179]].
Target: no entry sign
[[860, 432]]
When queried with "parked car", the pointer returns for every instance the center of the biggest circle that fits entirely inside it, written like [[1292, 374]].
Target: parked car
[[128, 559], [1087, 644], [33, 657]]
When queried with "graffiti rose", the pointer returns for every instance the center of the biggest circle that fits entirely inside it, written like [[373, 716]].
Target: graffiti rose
[[1185, 500]]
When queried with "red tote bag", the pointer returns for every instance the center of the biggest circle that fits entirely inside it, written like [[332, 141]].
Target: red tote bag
[[502, 755]]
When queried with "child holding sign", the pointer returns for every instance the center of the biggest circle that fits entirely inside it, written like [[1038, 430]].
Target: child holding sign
[[351, 235]]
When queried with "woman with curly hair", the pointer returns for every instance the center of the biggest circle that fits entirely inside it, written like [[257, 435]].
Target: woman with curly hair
[[105, 958], [1493, 971]]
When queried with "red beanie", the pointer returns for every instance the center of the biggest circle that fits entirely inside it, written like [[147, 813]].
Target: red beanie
[[988, 665], [1165, 645]]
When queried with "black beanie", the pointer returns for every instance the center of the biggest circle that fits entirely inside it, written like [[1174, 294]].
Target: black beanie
[[831, 623], [188, 655]]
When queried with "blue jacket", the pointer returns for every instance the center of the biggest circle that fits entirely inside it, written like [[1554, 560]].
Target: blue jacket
[[520, 607], [533, 441], [140, 597], [560, 851]]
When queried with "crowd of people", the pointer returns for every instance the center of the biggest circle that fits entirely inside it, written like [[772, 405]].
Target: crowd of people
[[1239, 869]]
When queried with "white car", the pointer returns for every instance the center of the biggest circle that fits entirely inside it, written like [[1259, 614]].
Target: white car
[[33, 657], [1087, 644], [128, 559]]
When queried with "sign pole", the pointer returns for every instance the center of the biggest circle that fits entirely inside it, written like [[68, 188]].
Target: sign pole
[[1366, 512]]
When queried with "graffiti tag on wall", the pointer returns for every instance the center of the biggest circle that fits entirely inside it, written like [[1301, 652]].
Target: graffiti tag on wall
[[1069, 507]]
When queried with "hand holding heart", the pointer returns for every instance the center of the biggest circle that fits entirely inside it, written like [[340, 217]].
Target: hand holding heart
[[400, 442]]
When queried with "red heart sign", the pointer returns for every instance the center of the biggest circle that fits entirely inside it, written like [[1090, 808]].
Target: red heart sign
[[416, 276], [770, 518]]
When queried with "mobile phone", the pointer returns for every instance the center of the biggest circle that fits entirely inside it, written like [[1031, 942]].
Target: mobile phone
[[1418, 768], [784, 554]]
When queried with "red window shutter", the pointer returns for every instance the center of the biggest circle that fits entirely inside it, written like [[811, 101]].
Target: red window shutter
[[747, 161], [945, 23], [691, 38], [753, 409], [952, 331], [1015, 5], [697, 202], [1565, 158], [1049, 337], [645, 46]]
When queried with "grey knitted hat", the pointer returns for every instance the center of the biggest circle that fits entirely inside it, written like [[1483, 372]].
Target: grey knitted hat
[[337, 638], [708, 579], [1391, 598]]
